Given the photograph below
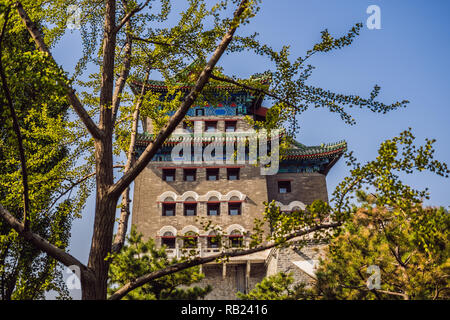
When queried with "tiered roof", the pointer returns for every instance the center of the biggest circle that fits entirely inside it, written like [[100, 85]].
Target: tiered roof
[[328, 153], [297, 150], [162, 86]]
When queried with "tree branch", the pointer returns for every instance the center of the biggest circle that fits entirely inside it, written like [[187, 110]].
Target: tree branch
[[74, 184], [403, 295], [120, 82], [42, 244], [245, 86], [438, 291], [120, 293], [202, 80], [125, 208], [129, 15], [16, 126], [73, 99], [186, 51]]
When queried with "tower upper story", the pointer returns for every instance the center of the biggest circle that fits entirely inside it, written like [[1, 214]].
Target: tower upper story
[[230, 190]]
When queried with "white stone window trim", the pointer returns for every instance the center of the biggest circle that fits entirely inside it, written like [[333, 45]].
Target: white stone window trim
[[190, 228], [203, 198], [234, 193], [234, 227], [210, 194], [167, 194], [188, 194], [167, 229], [291, 205]]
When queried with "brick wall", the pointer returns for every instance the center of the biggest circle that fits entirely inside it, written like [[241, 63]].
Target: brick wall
[[286, 256], [226, 288], [147, 212], [305, 187]]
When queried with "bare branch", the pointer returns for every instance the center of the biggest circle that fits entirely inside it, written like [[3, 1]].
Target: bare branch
[[74, 184], [129, 15], [121, 80], [403, 295], [16, 126], [40, 243], [125, 208], [120, 293], [251, 88], [73, 99], [375, 291], [167, 130], [186, 51]]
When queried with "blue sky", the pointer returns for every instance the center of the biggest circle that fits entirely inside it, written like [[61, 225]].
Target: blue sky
[[408, 57]]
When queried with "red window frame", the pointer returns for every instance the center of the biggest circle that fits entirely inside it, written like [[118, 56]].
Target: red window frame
[[237, 173], [235, 204], [188, 172], [284, 184], [216, 204], [212, 172], [210, 124], [169, 173], [189, 204], [171, 204]]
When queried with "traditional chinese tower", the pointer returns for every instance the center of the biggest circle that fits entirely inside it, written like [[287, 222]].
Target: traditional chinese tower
[[171, 198]]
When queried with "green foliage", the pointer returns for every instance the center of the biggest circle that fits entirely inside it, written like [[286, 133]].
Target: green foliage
[[388, 228], [276, 287], [138, 258], [410, 248], [41, 107], [382, 176], [391, 229], [177, 53], [283, 225], [174, 53], [290, 93]]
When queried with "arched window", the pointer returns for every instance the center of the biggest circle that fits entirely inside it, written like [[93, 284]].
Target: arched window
[[168, 240], [213, 199], [236, 239], [190, 240], [213, 240]]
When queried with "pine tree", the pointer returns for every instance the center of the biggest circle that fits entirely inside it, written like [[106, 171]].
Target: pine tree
[[138, 258]]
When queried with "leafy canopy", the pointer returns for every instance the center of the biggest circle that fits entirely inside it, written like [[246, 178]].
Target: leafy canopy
[[48, 140]]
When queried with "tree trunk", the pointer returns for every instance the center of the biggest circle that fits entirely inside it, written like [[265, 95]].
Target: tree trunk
[[103, 224], [105, 204]]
